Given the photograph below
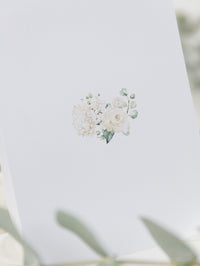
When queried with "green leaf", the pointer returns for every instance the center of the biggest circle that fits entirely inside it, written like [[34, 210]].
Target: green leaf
[[174, 247], [76, 226], [126, 133], [108, 105], [134, 114], [124, 92], [133, 104], [108, 135], [31, 257]]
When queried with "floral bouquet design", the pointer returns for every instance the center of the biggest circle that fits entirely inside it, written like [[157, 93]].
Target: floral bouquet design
[[95, 116]]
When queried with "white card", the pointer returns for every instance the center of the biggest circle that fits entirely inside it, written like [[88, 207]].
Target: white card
[[53, 53]]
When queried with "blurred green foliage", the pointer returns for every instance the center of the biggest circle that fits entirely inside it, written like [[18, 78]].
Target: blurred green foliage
[[189, 28]]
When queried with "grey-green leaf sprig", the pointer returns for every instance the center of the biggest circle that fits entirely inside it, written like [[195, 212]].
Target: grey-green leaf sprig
[[174, 247], [76, 226]]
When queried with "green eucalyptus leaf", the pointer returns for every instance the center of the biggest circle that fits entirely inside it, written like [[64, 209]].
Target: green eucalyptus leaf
[[133, 104], [108, 135], [174, 247], [127, 132], [76, 226], [124, 92], [134, 114], [30, 256]]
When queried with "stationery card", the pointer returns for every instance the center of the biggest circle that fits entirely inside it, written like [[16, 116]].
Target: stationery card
[[98, 120]]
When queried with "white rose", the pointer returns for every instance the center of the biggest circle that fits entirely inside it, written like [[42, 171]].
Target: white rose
[[118, 102], [84, 120], [115, 119]]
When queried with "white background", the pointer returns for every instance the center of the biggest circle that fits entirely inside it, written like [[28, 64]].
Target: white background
[[52, 54]]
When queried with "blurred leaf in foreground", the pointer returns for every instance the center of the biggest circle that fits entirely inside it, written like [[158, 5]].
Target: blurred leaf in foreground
[[76, 226], [174, 247], [31, 257]]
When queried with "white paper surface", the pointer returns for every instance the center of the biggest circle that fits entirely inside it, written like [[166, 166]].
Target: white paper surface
[[52, 54]]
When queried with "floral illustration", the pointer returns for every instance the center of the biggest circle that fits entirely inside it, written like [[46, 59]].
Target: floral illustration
[[95, 116]]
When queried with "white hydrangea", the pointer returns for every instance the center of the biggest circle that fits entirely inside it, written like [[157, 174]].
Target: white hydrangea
[[84, 120]]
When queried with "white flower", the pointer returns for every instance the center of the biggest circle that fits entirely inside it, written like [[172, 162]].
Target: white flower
[[95, 116], [115, 119], [118, 102], [84, 120]]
